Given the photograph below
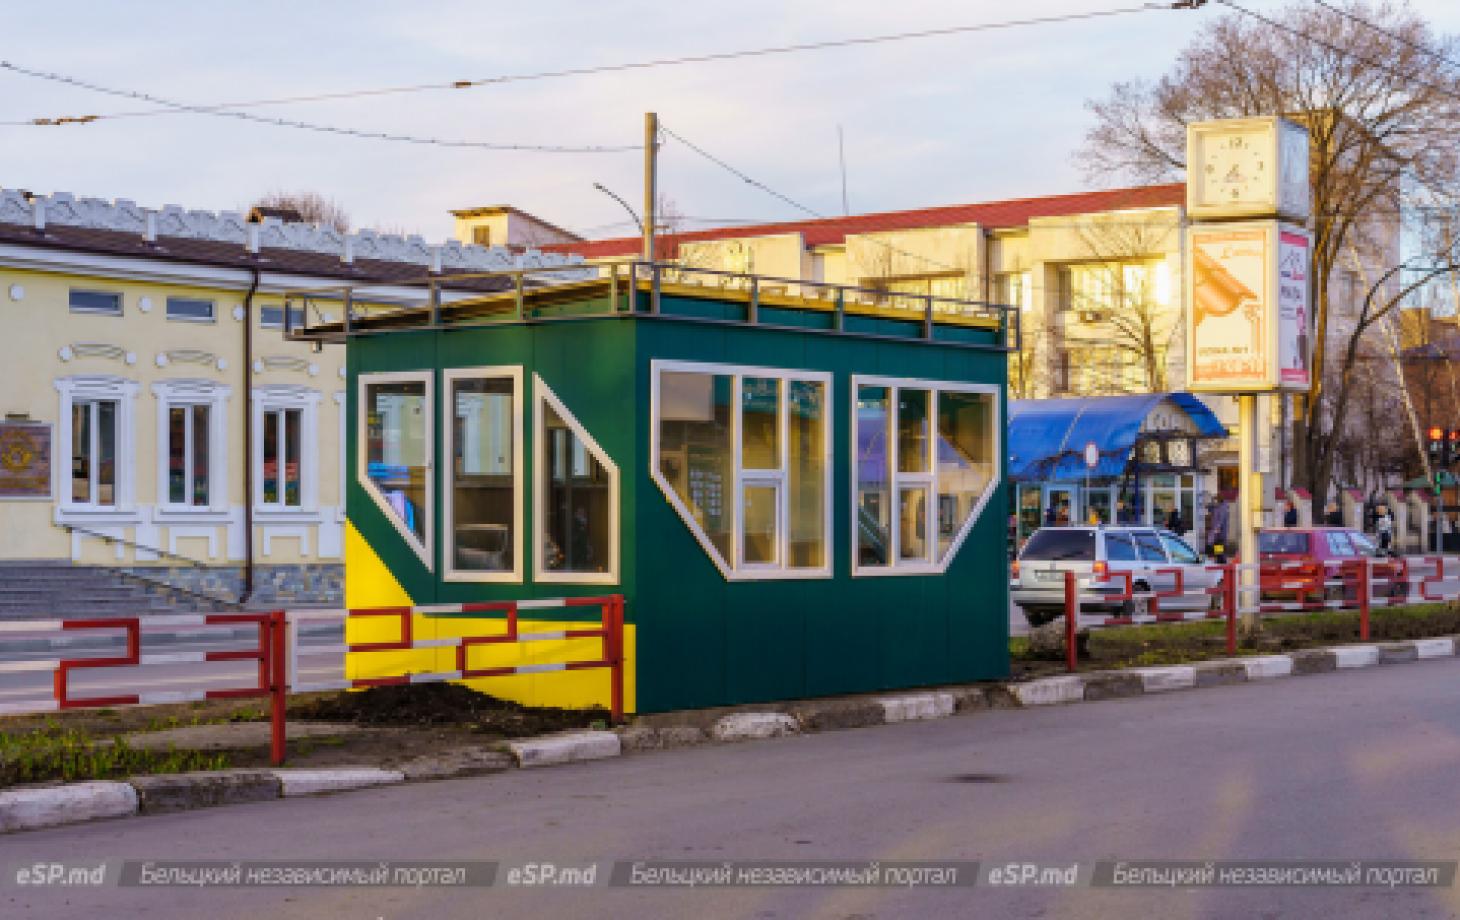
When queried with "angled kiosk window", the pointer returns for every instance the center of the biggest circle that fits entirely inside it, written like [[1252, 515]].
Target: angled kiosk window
[[575, 498], [395, 452], [484, 486], [743, 454], [925, 461]]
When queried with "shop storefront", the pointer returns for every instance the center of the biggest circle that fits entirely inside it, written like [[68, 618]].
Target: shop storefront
[[1148, 464], [795, 495]]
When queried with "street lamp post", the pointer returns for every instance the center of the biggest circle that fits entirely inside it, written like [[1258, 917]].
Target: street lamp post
[[610, 193]]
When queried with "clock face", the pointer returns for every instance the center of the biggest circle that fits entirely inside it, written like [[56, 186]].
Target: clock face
[[1235, 168]]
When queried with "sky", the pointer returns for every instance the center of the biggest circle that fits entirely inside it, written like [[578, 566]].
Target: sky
[[940, 120]]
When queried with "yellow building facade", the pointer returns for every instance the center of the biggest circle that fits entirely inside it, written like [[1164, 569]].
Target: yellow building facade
[[154, 414]]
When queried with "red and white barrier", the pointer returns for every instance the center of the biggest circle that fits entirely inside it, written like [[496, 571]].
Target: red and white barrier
[[278, 653], [610, 632]]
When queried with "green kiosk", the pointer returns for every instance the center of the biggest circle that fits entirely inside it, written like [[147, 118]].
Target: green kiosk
[[796, 488]]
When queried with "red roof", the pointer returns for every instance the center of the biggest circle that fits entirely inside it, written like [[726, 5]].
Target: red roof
[[1015, 212]]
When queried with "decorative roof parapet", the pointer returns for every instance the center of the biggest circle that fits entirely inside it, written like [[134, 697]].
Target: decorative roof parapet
[[122, 215]]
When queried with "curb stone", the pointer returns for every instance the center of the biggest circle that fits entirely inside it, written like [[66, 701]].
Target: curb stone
[[166, 792], [637, 738], [1264, 667], [567, 747], [1355, 656], [29, 809], [1159, 680], [1047, 691], [916, 706], [752, 726], [1434, 648], [1112, 685], [1398, 653], [1313, 661], [465, 762], [1220, 673], [829, 715], [314, 782]]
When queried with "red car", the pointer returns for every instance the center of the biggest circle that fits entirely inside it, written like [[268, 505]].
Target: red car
[[1297, 561]]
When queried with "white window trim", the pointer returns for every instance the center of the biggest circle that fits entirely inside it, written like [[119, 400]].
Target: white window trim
[[930, 479], [734, 569], [88, 388], [541, 395], [424, 546], [519, 473], [182, 394], [342, 481], [284, 396]]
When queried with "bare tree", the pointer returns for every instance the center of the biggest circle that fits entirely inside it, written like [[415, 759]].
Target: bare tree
[[1383, 114], [310, 206], [1139, 324]]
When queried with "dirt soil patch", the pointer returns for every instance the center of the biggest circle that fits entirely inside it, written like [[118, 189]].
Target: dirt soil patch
[[444, 704]]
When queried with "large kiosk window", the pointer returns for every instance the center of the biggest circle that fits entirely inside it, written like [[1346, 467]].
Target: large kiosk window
[[744, 455], [484, 485], [395, 456], [575, 498], [925, 461]]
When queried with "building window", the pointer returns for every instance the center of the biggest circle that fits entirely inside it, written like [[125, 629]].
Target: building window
[[926, 460], [95, 429], [283, 481], [396, 456], [273, 317], [191, 444], [94, 452], [1062, 371], [190, 309], [481, 236], [484, 489], [104, 303], [575, 498], [743, 454], [286, 455]]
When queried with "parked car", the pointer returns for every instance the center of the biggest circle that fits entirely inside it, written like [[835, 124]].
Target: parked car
[[1095, 554], [1297, 561]]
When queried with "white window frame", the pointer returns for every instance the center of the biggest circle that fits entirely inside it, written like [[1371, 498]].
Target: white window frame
[[929, 480], [273, 398], [542, 394], [184, 394], [735, 568], [519, 489], [425, 546], [94, 388]]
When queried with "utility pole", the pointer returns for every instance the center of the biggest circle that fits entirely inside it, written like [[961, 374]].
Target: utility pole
[[651, 171]]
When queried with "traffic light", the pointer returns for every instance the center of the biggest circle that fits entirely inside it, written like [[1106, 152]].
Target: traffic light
[[1437, 445]]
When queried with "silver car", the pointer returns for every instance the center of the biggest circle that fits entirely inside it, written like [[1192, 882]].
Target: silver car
[[1037, 582]]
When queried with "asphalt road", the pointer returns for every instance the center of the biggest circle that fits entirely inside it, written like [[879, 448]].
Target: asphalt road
[[1355, 765]]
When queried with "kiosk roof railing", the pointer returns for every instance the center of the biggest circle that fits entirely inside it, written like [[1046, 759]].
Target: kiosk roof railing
[[639, 289]]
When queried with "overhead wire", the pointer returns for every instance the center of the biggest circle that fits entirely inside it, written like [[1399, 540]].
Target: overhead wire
[[292, 123], [711, 57]]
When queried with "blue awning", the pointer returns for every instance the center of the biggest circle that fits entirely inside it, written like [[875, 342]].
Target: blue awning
[[1047, 437]]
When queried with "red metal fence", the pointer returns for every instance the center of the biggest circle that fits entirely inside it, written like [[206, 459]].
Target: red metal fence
[[278, 652]]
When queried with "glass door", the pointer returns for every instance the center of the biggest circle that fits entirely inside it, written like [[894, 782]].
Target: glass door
[[1060, 507]]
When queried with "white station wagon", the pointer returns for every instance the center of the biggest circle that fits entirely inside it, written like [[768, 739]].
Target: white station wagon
[[1037, 580]]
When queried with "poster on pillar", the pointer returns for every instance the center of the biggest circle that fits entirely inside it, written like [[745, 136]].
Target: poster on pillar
[[1247, 307]]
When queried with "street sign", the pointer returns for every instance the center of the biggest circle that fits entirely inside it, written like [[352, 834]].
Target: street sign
[[1092, 455]]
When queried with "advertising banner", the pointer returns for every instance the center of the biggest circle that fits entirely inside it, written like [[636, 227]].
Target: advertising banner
[[1248, 311]]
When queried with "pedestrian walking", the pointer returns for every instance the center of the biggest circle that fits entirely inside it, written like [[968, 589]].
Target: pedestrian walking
[[1332, 516], [1384, 527], [1290, 513]]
